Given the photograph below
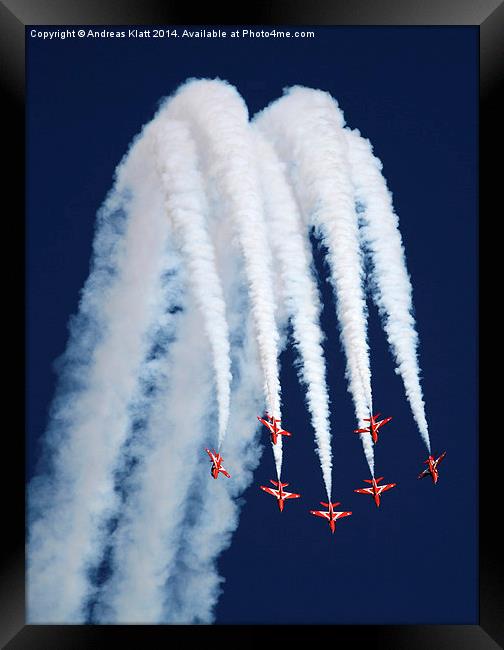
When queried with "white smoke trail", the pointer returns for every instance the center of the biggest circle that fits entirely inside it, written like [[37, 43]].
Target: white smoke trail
[[150, 422], [187, 206], [218, 117], [305, 127], [154, 517], [171, 489], [90, 416], [194, 587], [147, 537], [288, 238], [390, 280]]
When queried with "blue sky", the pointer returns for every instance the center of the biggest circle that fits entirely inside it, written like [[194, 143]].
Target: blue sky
[[413, 93]]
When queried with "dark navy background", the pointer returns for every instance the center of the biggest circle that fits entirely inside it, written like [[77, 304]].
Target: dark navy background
[[413, 92]]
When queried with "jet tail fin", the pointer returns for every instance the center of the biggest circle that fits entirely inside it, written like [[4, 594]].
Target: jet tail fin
[[368, 480], [278, 483]]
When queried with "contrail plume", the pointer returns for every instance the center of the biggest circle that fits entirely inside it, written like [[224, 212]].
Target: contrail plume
[[148, 535], [391, 286], [89, 420], [175, 512], [305, 127], [195, 585], [218, 116], [188, 208], [288, 239]]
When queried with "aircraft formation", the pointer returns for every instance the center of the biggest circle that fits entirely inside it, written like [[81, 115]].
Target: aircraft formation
[[275, 429]]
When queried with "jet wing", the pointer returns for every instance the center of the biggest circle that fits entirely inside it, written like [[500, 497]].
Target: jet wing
[[382, 422], [320, 513], [364, 490], [283, 432], [441, 458], [225, 472], [339, 515], [291, 495], [271, 491], [384, 488], [212, 456], [425, 473], [361, 430]]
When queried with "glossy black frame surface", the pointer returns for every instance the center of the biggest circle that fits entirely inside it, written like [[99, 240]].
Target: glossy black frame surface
[[488, 15]]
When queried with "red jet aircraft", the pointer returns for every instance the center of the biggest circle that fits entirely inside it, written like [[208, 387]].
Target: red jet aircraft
[[216, 464], [330, 514], [376, 490], [274, 426], [374, 426], [280, 494], [432, 469]]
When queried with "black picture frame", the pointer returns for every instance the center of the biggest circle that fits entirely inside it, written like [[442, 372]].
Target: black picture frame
[[488, 15]]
